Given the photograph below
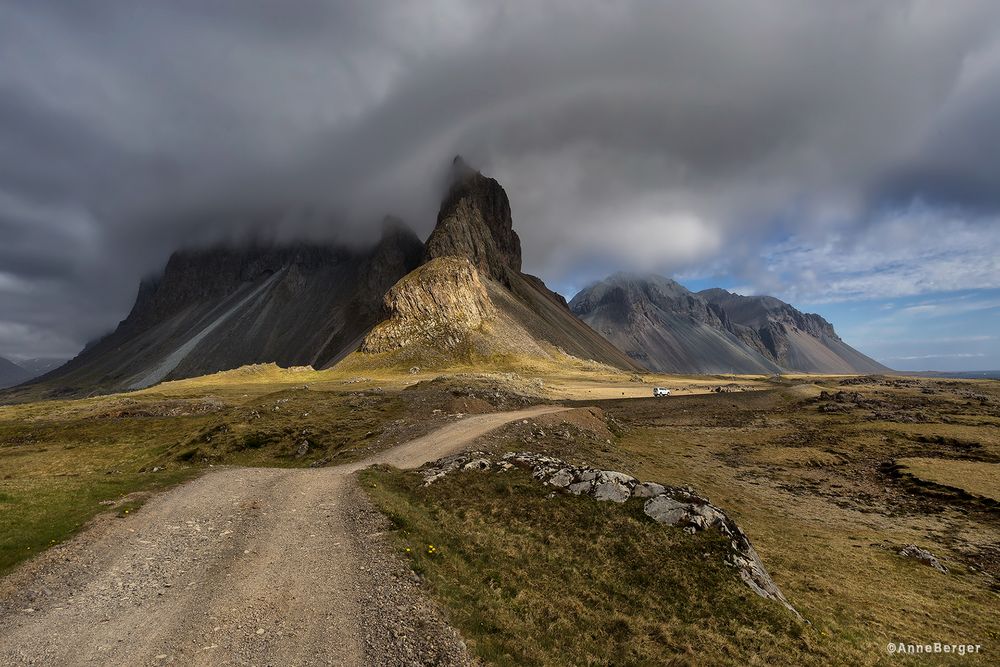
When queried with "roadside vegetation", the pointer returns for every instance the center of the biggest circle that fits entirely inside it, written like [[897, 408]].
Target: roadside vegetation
[[531, 579], [64, 462], [819, 476], [57, 475]]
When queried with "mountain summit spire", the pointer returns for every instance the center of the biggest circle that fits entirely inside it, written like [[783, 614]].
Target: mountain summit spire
[[475, 222]]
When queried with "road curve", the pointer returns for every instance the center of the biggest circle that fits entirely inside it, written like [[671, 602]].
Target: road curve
[[242, 566]]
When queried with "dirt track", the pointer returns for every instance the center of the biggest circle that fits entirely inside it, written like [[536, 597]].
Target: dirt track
[[241, 566]]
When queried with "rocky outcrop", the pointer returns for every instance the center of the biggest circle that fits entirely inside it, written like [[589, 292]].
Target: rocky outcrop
[[667, 505], [437, 304], [662, 325], [475, 222], [314, 304], [923, 556]]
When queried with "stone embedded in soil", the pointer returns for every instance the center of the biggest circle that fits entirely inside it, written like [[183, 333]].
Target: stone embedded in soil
[[924, 556], [562, 479], [613, 491], [477, 464], [647, 490], [666, 510]]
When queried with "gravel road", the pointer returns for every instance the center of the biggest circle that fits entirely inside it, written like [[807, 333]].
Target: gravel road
[[243, 566]]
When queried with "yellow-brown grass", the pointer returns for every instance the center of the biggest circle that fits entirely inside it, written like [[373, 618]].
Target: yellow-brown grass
[[974, 477], [814, 492]]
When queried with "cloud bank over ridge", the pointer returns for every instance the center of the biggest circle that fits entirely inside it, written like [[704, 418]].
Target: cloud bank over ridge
[[823, 152]]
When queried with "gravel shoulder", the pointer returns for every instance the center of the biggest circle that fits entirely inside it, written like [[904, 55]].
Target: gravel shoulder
[[242, 566]]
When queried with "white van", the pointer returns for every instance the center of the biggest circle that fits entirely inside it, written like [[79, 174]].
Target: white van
[[660, 391]]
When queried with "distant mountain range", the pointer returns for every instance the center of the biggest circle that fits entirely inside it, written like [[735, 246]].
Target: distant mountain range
[[665, 327], [459, 297], [12, 373]]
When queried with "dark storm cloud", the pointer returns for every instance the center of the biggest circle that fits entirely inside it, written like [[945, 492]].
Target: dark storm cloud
[[957, 161], [668, 135]]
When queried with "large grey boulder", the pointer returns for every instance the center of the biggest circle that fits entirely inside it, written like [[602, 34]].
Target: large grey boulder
[[710, 515], [666, 510], [610, 476], [614, 491], [477, 464], [648, 490], [562, 479]]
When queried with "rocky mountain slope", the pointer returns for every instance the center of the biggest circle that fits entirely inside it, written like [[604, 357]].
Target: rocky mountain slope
[[668, 328], [221, 308], [11, 374], [470, 299], [442, 301], [793, 339]]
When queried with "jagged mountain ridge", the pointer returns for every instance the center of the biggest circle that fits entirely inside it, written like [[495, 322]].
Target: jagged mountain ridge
[[793, 339], [473, 258], [461, 296], [668, 328], [475, 221]]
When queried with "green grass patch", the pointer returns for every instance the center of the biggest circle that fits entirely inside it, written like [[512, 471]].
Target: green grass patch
[[43, 512], [531, 580]]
